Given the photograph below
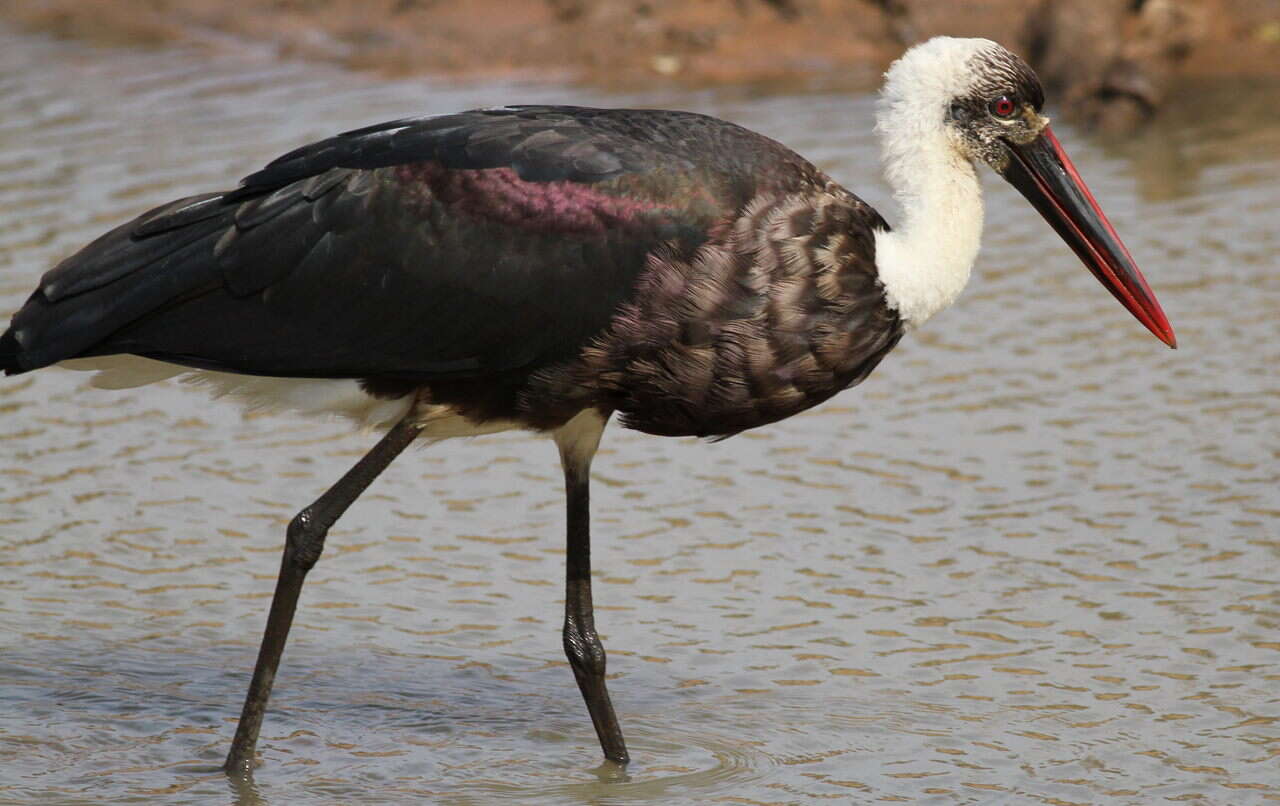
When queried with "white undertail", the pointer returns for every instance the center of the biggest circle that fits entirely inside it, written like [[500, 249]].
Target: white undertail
[[925, 263], [310, 396]]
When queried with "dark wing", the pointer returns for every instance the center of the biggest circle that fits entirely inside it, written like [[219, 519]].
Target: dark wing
[[464, 244]]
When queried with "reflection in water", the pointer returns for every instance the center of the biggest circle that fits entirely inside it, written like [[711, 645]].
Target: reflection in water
[[1033, 560], [1206, 126]]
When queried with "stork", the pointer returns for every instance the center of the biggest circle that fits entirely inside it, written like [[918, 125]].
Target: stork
[[548, 267]]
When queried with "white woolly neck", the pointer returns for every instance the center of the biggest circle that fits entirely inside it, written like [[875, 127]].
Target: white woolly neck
[[925, 263]]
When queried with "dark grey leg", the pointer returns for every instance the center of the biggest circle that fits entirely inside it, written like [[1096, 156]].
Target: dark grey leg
[[303, 544], [581, 643]]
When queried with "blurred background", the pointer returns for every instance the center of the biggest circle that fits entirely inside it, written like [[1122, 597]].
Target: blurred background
[[1112, 62], [1034, 559]]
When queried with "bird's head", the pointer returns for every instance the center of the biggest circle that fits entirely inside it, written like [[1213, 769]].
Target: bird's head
[[972, 100]]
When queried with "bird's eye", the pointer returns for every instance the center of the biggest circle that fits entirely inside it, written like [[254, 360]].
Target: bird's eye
[[1002, 107]]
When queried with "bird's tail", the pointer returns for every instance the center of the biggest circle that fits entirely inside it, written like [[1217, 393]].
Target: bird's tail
[[9, 352], [121, 276]]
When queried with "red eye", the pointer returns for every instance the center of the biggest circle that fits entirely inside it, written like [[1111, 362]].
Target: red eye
[[1002, 107]]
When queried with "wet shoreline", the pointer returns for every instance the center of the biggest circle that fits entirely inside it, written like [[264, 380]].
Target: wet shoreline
[[1112, 62]]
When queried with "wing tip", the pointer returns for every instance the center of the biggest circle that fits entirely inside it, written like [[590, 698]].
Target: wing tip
[[11, 354]]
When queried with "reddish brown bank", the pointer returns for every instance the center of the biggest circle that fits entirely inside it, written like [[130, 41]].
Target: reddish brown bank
[[1113, 61]]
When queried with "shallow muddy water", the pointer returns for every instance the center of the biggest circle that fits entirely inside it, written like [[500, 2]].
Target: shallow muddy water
[[1035, 558]]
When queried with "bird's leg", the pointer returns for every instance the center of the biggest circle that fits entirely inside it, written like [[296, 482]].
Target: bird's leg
[[303, 543], [577, 442]]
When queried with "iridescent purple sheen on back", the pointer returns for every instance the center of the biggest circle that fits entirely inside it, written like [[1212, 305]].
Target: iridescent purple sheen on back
[[500, 195]]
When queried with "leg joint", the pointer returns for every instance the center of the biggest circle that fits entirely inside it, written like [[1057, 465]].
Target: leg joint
[[304, 540], [583, 648]]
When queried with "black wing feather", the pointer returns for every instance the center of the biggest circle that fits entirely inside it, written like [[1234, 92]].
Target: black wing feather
[[338, 260]]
